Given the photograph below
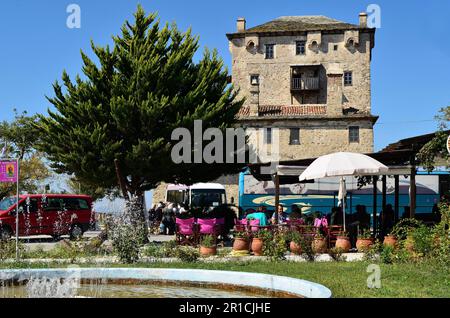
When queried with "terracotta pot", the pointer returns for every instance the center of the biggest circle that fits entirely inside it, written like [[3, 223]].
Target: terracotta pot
[[240, 244], [343, 242], [390, 240], [295, 248], [208, 251], [257, 246], [363, 245], [319, 245]]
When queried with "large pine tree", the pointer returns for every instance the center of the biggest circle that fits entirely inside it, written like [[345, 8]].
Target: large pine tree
[[129, 102]]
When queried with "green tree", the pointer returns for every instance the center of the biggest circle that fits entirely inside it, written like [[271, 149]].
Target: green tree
[[437, 147], [20, 138], [127, 105]]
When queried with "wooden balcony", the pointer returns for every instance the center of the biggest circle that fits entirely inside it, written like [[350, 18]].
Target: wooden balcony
[[305, 84]]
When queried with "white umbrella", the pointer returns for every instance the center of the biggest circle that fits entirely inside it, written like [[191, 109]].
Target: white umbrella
[[342, 164]]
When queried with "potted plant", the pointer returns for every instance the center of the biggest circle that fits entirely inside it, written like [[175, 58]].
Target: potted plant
[[343, 242], [364, 241], [295, 245], [319, 243], [258, 243], [208, 246], [390, 240], [241, 241]]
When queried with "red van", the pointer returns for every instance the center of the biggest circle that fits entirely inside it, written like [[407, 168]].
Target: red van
[[46, 214]]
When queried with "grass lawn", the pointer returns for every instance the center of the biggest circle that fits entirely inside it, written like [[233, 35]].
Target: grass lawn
[[344, 279]]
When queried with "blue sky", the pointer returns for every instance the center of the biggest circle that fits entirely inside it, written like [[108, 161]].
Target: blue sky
[[410, 66]]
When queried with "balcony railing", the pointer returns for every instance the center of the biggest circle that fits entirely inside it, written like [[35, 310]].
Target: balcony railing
[[306, 84]]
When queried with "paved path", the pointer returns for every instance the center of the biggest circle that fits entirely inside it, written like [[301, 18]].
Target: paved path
[[47, 242]]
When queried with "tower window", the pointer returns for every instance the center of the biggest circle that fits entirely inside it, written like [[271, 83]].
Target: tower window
[[348, 78], [254, 79], [270, 51], [353, 134], [300, 48]]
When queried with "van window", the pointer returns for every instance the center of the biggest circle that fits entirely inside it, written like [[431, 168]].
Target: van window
[[52, 204], [75, 204], [29, 207], [7, 202]]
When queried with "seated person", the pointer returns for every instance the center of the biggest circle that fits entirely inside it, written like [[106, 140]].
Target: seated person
[[336, 217], [259, 215], [296, 213], [279, 216]]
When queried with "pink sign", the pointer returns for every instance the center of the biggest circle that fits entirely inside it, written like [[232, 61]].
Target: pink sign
[[8, 171]]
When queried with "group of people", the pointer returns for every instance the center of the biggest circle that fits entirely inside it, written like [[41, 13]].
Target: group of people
[[163, 215], [278, 217]]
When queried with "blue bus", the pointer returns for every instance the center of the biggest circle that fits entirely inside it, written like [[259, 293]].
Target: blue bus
[[322, 195]]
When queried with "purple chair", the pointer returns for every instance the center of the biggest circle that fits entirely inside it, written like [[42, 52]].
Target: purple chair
[[207, 226], [254, 225], [220, 223], [240, 225], [185, 233]]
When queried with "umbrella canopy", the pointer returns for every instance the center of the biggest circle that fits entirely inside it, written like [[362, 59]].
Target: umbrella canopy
[[343, 164]]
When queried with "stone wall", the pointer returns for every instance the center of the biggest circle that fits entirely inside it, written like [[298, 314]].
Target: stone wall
[[275, 73]]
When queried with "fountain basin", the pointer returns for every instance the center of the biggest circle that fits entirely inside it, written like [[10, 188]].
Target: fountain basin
[[277, 286]]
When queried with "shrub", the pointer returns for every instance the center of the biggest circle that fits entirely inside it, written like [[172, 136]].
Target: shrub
[[402, 228], [373, 252], [188, 255], [307, 249], [160, 250], [8, 249], [274, 244], [391, 255], [386, 255], [294, 236], [423, 240], [336, 254]]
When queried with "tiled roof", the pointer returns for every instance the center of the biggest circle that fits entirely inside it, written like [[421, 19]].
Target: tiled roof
[[300, 24], [285, 111]]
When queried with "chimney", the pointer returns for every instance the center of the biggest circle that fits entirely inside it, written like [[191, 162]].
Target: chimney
[[241, 24], [334, 90], [363, 19]]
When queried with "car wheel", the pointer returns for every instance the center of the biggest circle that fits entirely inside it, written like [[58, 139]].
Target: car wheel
[[5, 234], [76, 232]]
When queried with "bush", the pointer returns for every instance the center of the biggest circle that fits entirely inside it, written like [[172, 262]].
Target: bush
[[391, 255], [274, 244], [402, 228], [373, 252], [307, 249], [336, 254], [422, 237], [188, 255], [387, 255], [8, 249]]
